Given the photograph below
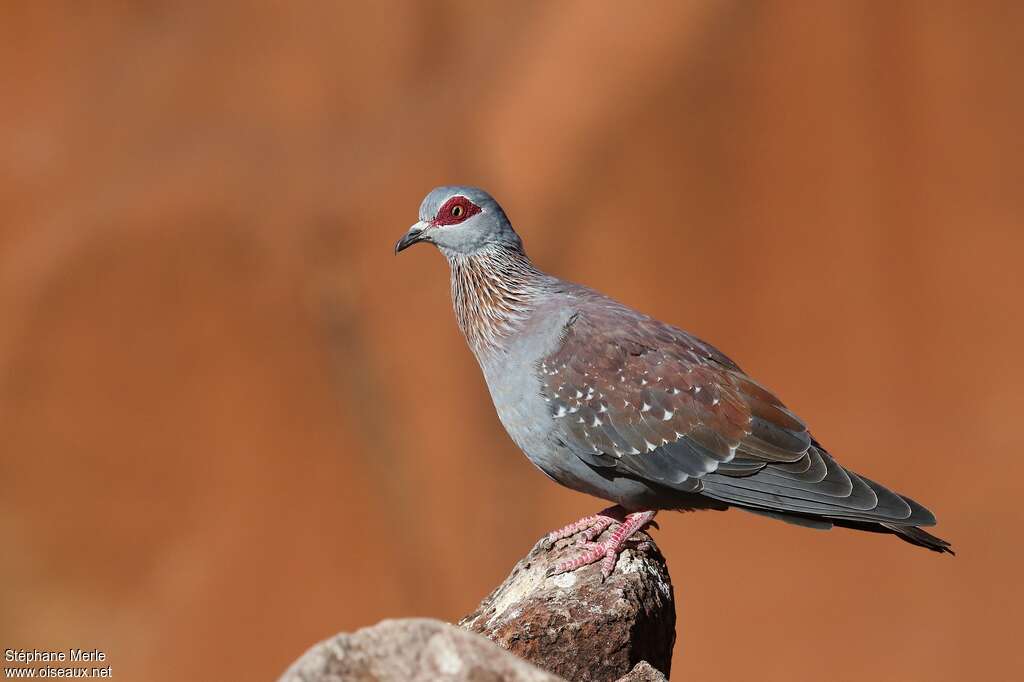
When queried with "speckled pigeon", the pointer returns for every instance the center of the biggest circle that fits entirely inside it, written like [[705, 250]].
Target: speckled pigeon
[[608, 401]]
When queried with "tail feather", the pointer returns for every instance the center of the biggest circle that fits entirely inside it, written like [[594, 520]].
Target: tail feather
[[911, 534], [916, 536]]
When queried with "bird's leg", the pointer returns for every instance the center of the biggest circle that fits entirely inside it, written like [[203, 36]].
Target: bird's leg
[[593, 525], [590, 533], [606, 552]]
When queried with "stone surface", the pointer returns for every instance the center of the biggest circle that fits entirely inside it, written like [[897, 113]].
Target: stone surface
[[643, 672], [577, 626], [411, 650], [572, 626]]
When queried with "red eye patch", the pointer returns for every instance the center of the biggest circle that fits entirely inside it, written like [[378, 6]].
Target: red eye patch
[[455, 210]]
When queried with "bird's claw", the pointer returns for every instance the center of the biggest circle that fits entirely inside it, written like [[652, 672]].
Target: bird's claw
[[592, 552], [590, 526], [607, 551]]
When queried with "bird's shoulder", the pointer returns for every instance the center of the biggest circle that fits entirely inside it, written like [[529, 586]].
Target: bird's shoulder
[[602, 324]]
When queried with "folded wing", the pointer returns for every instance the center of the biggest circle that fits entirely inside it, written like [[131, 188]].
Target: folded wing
[[652, 402]]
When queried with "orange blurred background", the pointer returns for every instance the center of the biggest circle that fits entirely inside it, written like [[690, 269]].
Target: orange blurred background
[[233, 423]]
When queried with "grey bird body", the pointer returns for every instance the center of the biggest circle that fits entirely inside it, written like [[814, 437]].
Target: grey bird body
[[517, 389], [613, 403]]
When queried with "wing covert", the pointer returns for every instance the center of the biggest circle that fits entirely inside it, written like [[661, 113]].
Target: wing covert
[[653, 401]]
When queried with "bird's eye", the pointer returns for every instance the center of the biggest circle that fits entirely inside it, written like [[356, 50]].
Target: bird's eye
[[456, 210]]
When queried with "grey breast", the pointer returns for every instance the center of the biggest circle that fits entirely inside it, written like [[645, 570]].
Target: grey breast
[[515, 385]]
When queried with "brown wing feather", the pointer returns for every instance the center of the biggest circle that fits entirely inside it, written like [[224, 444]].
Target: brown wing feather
[[660, 402], [652, 401]]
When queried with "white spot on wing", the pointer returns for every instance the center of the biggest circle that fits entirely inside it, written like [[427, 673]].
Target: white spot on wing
[[732, 453]]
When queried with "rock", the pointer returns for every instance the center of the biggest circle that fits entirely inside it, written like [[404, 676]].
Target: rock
[[577, 626], [412, 650], [572, 626], [643, 672]]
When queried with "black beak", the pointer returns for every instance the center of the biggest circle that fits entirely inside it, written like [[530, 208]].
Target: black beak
[[414, 235]]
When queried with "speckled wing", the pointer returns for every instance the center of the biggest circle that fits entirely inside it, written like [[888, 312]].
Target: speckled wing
[[650, 401]]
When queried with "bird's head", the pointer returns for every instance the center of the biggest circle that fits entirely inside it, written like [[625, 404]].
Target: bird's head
[[460, 220]]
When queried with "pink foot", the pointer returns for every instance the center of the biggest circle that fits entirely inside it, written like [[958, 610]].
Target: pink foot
[[606, 552], [593, 525]]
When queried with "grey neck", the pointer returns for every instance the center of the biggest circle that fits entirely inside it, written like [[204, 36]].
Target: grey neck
[[494, 290]]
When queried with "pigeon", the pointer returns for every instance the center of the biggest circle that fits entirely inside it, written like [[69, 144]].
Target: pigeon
[[611, 402]]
